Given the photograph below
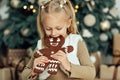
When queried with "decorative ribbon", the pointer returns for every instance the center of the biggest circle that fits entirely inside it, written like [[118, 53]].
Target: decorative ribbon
[[117, 53], [17, 66], [116, 71]]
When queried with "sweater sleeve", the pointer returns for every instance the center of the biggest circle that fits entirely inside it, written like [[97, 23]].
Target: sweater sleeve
[[26, 73], [86, 69]]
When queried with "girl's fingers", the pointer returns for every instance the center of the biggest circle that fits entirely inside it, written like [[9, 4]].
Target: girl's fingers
[[59, 53], [41, 59]]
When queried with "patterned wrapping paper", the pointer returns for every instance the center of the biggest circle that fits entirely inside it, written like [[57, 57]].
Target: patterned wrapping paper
[[17, 59], [7, 73], [14, 54], [116, 45], [110, 72], [115, 60], [116, 48]]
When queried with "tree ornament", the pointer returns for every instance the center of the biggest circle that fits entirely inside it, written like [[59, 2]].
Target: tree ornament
[[115, 31], [3, 12], [25, 7], [103, 37], [109, 17], [89, 7], [89, 20], [31, 6], [76, 7], [87, 33], [24, 31], [77, 22], [105, 25], [90, 4], [34, 10], [6, 32], [114, 12], [14, 3], [76, 10], [118, 23], [28, 9], [105, 10]]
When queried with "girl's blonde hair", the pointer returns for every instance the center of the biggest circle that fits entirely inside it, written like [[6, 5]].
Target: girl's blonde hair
[[55, 6]]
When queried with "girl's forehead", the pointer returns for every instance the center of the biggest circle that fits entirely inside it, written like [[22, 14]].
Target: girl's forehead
[[55, 18], [60, 15]]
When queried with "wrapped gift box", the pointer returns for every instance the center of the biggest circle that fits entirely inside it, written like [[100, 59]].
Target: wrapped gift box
[[96, 59], [116, 44], [14, 54], [19, 76], [110, 72], [20, 63], [7, 73], [116, 48], [116, 60]]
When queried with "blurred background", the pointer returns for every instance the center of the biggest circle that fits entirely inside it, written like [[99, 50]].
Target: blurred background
[[98, 22]]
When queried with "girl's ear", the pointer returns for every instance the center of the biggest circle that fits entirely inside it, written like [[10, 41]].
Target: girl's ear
[[69, 23]]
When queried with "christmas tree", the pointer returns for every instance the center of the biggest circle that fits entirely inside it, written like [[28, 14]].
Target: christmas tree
[[19, 30], [97, 21]]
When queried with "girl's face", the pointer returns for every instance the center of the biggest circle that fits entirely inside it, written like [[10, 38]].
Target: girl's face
[[56, 24]]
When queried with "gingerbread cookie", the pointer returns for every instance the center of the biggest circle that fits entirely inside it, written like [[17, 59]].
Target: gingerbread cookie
[[53, 44]]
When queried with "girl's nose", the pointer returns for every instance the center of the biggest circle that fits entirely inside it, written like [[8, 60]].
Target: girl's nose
[[53, 33]]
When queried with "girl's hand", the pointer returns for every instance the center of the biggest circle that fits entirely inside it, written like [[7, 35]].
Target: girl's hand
[[40, 60], [61, 56]]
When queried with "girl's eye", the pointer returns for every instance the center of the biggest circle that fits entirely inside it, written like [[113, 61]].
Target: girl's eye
[[48, 29], [59, 28]]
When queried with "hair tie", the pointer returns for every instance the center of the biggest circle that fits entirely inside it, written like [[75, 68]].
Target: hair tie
[[62, 2]]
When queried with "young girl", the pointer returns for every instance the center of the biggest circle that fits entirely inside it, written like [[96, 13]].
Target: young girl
[[57, 17]]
